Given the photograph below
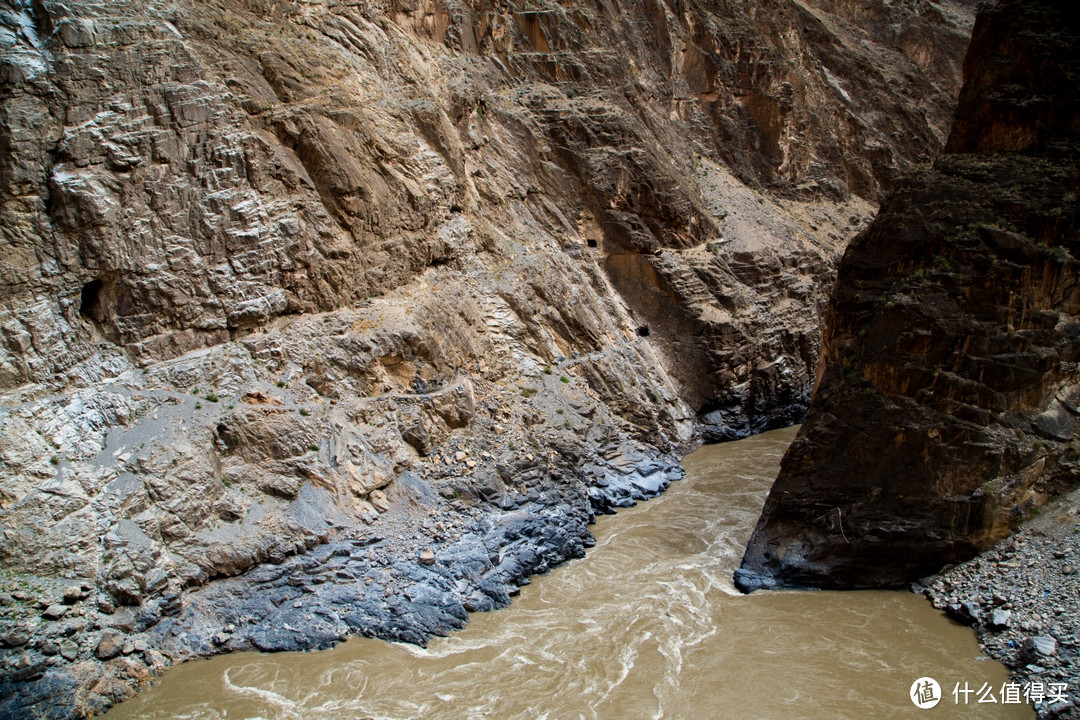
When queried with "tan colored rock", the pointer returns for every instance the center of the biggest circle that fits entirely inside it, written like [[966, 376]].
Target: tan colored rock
[[378, 500], [260, 398], [365, 511], [456, 405], [240, 200]]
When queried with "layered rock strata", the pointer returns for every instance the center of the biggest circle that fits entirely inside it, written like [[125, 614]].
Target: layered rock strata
[[947, 401], [346, 317]]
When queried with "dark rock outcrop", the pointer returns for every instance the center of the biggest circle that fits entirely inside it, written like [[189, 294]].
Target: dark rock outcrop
[[274, 273], [948, 397]]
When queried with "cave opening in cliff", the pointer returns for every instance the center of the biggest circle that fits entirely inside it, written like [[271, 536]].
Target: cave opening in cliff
[[643, 331], [90, 307], [591, 243]]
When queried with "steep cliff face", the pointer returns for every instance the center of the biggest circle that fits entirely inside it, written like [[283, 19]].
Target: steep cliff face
[[948, 396], [178, 176], [328, 285]]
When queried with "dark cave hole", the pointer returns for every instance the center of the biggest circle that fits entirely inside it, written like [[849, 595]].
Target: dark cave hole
[[643, 331], [227, 436], [590, 242], [91, 301]]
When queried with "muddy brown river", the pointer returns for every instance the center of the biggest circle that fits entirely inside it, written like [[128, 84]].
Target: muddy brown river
[[648, 625]]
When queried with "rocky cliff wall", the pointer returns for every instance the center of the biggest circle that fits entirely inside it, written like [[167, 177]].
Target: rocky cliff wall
[[346, 317], [947, 403]]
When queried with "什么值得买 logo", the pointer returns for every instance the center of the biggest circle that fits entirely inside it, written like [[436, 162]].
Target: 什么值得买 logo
[[925, 693]]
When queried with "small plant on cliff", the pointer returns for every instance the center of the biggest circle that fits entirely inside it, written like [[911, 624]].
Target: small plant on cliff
[[563, 378], [1059, 253], [547, 369], [211, 397], [304, 412]]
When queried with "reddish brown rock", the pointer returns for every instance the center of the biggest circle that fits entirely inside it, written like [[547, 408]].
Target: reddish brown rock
[[257, 259], [948, 399]]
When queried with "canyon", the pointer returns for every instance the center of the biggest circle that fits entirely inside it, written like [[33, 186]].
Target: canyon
[[331, 318], [946, 405], [944, 414]]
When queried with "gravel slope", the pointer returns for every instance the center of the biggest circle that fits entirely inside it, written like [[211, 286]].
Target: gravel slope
[[1023, 598]]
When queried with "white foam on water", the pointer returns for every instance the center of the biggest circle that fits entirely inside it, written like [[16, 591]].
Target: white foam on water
[[648, 625], [290, 707]]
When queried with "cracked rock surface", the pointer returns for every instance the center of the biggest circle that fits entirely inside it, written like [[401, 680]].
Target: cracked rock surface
[[948, 400], [344, 317]]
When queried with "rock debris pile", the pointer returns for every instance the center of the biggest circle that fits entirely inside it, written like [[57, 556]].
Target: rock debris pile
[[1023, 599]]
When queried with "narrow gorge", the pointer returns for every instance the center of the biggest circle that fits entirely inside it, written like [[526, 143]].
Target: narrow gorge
[[328, 318], [946, 406]]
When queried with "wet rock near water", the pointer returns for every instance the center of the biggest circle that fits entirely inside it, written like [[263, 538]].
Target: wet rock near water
[[384, 586], [416, 570], [947, 399], [425, 285], [1023, 599]]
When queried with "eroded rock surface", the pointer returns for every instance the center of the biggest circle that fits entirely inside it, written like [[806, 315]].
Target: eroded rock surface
[[947, 402], [326, 318]]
